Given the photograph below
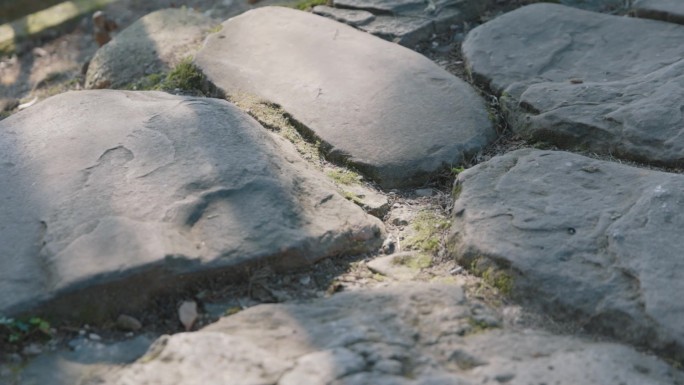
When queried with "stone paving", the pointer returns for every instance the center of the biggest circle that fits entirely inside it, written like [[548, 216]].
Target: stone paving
[[114, 198]]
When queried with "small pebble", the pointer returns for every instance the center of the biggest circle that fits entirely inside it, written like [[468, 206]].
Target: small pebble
[[128, 323], [424, 192], [32, 350], [305, 280]]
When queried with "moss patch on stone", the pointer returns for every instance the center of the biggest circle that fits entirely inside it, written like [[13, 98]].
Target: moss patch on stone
[[498, 278], [305, 5], [430, 228], [415, 261], [344, 177]]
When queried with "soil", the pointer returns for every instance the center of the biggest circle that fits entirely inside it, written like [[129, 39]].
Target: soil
[[55, 64]]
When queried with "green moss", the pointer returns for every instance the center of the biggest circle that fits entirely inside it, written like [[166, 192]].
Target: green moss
[[274, 118], [308, 4], [416, 262], [498, 279], [216, 28], [352, 197], [494, 277], [344, 177], [429, 228], [456, 191]]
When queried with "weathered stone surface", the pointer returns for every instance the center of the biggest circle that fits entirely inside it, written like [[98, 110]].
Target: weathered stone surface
[[596, 5], [353, 17], [392, 113], [153, 44], [404, 22], [666, 10], [400, 266], [581, 236], [579, 79], [139, 189], [84, 360], [370, 200], [399, 335]]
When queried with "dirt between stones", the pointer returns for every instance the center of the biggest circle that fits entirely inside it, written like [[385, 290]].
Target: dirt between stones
[[55, 65]]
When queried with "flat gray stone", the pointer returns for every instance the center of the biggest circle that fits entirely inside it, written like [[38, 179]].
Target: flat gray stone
[[403, 30], [391, 112], [400, 266], [155, 43], [87, 359], [579, 79], [110, 196], [665, 10], [596, 5], [404, 22], [581, 236], [352, 17], [406, 334]]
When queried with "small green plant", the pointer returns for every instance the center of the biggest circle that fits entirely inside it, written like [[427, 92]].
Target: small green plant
[[429, 229], [308, 4], [185, 76], [477, 326], [457, 170], [149, 82], [16, 331]]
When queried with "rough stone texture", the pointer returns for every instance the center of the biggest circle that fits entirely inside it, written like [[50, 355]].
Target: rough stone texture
[[666, 10], [139, 189], [596, 5], [398, 335], [85, 359], [404, 22], [580, 79], [397, 266], [353, 17], [155, 43], [370, 200], [389, 111], [593, 239]]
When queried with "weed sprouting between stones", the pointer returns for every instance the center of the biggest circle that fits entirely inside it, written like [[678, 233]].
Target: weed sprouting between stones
[[184, 77], [344, 177], [19, 331], [308, 4]]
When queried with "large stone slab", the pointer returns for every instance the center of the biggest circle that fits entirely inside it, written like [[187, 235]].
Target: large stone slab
[[594, 5], [666, 10], [111, 195], [389, 111], [579, 79], [404, 22], [581, 236], [155, 43], [399, 335]]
